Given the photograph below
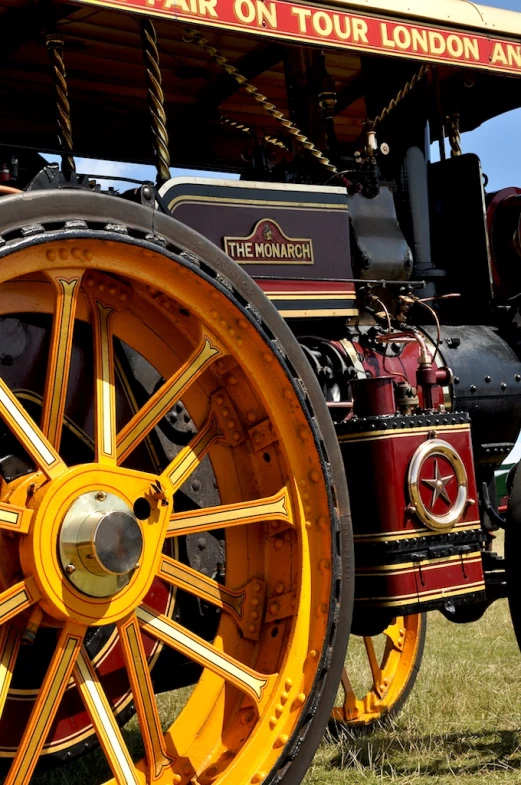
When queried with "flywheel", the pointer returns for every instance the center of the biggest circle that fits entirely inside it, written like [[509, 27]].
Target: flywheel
[[380, 672], [117, 320]]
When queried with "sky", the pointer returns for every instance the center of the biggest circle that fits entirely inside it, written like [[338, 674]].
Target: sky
[[497, 143]]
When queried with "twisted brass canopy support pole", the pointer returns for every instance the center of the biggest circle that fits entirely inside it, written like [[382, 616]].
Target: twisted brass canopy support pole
[[453, 132], [273, 140], [156, 100], [63, 110], [403, 93], [289, 127]]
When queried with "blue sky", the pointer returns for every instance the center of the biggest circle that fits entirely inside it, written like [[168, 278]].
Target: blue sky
[[497, 143]]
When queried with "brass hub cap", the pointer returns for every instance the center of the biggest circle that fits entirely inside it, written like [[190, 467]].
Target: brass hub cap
[[100, 544]]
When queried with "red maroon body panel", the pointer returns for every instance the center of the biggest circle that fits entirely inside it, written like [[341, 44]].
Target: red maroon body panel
[[413, 499]]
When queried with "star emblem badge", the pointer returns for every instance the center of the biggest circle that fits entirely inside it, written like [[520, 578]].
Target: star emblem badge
[[439, 485]]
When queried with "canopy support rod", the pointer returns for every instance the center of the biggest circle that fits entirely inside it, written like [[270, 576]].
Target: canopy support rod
[[156, 101]]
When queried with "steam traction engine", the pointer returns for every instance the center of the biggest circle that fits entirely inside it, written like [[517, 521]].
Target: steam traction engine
[[205, 380]]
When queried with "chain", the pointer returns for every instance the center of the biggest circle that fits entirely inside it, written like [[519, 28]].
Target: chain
[[156, 100], [411, 84], [271, 109], [247, 130], [63, 110], [452, 124]]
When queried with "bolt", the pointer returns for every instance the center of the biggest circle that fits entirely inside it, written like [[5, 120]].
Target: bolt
[[70, 568], [137, 565], [147, 193], [101, 496]]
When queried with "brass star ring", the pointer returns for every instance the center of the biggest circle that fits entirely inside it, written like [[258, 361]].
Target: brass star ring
[[449, 487]]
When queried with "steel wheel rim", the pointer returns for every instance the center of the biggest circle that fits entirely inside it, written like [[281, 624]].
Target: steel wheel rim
[[392, 673], [288, 692]]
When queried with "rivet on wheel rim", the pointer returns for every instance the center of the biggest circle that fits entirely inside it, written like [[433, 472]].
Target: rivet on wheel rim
[[275, 602]]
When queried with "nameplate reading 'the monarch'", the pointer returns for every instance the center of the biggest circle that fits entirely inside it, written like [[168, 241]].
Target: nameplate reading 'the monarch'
[[267, 244]]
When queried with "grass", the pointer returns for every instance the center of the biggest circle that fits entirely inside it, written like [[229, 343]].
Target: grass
[[461, 725]]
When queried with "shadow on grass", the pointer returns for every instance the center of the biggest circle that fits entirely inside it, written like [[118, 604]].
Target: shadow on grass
[[92, 767], [389, 752]]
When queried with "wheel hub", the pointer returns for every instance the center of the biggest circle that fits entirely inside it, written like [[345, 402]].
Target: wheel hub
[[100, 544], [91, 558]]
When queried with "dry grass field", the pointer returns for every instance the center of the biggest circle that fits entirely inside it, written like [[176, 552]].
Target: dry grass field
[[461, 725]]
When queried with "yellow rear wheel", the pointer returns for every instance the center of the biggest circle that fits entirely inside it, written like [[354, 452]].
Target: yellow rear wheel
[[380, 672], [90, 541]]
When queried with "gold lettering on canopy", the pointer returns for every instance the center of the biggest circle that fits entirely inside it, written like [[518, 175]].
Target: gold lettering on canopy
[[333, 27]]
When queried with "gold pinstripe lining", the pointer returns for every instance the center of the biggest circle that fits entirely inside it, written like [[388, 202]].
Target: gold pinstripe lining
[[368, 436], [412, 533], [410, 599], [424, 564]]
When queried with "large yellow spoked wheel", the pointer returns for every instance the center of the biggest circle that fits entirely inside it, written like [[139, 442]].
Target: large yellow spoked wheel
[[380, 672], [132, 315]]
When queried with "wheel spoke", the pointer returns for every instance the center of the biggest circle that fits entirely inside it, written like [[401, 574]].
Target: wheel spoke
[[346, 683], [16, 599], [67, 287], [105, 420], [15, 519], [373, 662], [163, 400], [144, 698], [104, 722], [125, 379], [9, 646], [197, 649], [46, 705], [275, 507], [206, 589], [28, 433], [395, 634], [189, 458]]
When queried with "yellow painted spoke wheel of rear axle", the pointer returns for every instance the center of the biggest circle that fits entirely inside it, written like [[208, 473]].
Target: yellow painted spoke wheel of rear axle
[[389, 663], [86, 540]]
